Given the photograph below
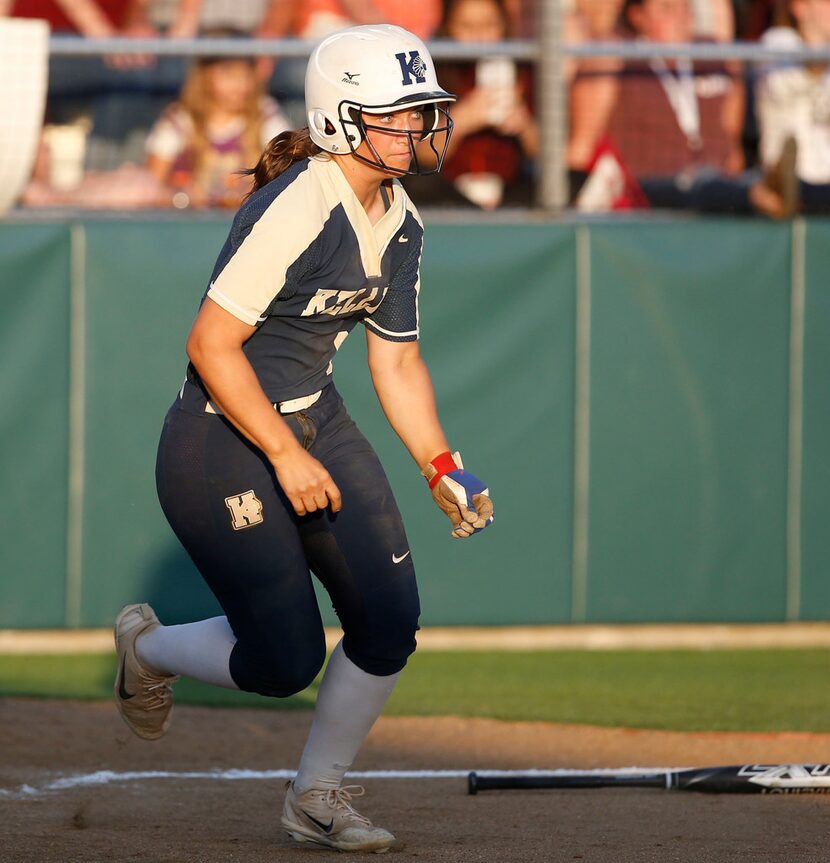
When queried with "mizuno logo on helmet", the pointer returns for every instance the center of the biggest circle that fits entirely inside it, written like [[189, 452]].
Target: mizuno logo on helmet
[[349, 78], [414, 69]]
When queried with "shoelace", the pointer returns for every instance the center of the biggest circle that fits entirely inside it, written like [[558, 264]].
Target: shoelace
[[160, 692], [340, 798]]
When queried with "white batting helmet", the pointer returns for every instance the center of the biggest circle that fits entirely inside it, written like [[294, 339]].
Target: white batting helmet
[[373, 69]]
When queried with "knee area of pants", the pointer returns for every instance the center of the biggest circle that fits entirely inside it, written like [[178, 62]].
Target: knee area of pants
[[277, 680], [381, 658]]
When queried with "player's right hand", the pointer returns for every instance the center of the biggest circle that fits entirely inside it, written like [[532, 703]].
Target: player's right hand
[[306, 483]]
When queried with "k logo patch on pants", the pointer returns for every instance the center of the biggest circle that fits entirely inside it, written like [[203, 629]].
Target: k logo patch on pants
[[245, 509]]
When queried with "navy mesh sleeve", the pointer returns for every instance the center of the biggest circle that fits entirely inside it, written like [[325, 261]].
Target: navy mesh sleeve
[[396, 319]]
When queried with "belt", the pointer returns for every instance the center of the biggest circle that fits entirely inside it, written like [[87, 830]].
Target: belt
[[286, 407]]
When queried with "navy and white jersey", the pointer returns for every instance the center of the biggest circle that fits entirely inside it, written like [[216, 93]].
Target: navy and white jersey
[[304, 264]]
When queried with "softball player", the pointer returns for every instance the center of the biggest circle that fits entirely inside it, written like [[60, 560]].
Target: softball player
[[261, 472]]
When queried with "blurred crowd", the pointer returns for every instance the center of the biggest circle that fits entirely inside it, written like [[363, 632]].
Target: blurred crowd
[[129, 131]]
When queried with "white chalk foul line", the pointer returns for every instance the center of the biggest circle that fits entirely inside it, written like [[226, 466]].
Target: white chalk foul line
[[109, 777]]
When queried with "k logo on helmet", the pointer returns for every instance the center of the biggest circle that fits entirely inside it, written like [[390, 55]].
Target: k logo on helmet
[[414, 69], [245, 509]]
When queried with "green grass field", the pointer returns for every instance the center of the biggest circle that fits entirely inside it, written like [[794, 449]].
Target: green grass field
[[729, 690]]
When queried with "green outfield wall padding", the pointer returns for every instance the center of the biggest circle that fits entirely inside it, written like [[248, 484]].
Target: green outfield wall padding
[[815, 558], [685, 372], [688, 421], [34, 315]]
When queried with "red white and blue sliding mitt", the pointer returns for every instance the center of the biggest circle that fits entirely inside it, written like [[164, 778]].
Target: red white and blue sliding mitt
[[463, 497]]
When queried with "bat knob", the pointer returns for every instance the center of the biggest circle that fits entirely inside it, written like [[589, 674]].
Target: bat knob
[[472, 782]]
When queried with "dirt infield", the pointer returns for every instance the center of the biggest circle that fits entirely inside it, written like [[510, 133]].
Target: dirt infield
[[201, 820]]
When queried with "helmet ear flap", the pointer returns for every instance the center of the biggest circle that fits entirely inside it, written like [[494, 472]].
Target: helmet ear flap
[[320, 124]]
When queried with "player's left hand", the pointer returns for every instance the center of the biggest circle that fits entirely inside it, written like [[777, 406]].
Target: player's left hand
[[463, 497]]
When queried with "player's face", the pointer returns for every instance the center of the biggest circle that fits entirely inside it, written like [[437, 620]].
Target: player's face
[[388, 135]]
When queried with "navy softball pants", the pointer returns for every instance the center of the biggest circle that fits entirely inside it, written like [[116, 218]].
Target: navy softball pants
[[222, 500]]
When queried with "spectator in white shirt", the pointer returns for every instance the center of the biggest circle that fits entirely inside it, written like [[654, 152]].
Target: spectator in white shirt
[[792, 101]]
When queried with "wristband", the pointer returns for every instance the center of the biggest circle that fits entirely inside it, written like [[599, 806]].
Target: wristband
[[443, 464]]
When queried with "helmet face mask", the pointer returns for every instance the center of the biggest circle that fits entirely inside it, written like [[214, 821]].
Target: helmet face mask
[[367, 72], [433, 135]]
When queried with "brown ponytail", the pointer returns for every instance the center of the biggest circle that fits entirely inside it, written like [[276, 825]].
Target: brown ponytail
[[280, 154]]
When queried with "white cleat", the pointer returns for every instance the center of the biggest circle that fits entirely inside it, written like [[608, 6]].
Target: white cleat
[[325, 817]]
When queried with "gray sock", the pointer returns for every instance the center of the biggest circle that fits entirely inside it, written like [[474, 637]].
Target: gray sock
[[200, 650], [348, 703]]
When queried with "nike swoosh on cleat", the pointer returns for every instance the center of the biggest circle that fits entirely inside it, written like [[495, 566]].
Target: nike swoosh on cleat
[[396, 559], [326, 828], [122, 692]]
